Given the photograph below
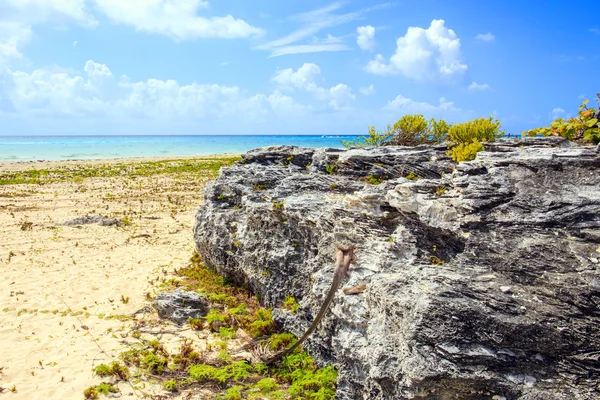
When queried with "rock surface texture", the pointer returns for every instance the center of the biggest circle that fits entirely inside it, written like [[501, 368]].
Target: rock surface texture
[[482, 279], [180, 305]]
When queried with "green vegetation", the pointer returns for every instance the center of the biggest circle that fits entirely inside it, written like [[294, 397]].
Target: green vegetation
[[295, 377], [291, 304], [94, 392], [331, 168], [464, 139], [372, 180], [375, 138], [194, 168], [584, 128], [410, 130], [114, 369]]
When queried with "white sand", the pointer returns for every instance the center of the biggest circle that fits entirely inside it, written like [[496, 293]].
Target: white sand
[[49, 273]]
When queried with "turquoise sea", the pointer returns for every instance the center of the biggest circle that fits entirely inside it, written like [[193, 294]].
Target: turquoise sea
[[23, 148]]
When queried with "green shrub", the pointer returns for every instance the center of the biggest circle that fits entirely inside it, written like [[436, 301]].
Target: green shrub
[[466, 152], [375, 138], [465, 139], [584, 128], [410, 130]]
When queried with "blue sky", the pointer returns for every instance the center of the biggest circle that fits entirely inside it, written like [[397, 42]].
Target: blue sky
[[93, 67]]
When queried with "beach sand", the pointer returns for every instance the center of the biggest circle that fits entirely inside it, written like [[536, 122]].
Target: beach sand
[[68, 293]]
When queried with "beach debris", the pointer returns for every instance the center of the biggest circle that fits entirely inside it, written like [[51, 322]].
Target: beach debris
[[180, 305], [91, 219]]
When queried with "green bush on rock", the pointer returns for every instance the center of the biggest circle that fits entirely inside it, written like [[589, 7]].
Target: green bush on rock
[[584, 128], [465, 139]]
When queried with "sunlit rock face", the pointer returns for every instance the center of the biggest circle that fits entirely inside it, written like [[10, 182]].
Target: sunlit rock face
[[482, 279]]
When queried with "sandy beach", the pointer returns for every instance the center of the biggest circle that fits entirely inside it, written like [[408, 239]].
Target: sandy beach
[[68, 293]]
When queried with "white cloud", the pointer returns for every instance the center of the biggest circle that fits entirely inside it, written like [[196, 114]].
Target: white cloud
[[75, 43], [485, 37], [367, 90], [175, 18], [330, 39], [595, 31], [431, 55], [311, 23], [474, 87], [41, 11], [98, 93], [404, 105], [557, 112], [18, 16], [305, 78], [307, 48], [13, 36], [341, 97], [366, 37]]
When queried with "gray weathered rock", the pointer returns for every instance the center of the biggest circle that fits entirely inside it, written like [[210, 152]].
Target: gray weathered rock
[[91, 219], [479, 277], [180, 305]]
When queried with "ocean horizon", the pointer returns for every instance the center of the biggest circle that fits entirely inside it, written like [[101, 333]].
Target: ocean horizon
[[34, 148]]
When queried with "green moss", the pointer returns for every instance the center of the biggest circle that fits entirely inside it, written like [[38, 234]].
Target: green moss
[[266, 385], [291, 304], [319, 384], [217, 298], [372, 180], [91, 393], [106, 389], [280, 340], [234, 393], [171, 385], [114, 369], [154, 363], [195, 323], [202, 373], [226, 333], [412, 177]]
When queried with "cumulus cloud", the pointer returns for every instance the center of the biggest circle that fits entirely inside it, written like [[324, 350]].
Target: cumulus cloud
[[175, 18], [366, 37], [18, 16], [303, 78], [475, 87], [485, 37], [96, 92], [444, 109], [557, 112], [341, 97], [306, 78], [367, 91], [431, 55]]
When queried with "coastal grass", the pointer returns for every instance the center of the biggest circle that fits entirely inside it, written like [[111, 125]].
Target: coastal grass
[[191, 369], [196, 167]]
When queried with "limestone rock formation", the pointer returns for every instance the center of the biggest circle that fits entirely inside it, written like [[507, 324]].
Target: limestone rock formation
[[180, 305], [482, 279]]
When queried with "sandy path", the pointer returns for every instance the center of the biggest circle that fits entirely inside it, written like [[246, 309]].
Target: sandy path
[[62, 288]]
